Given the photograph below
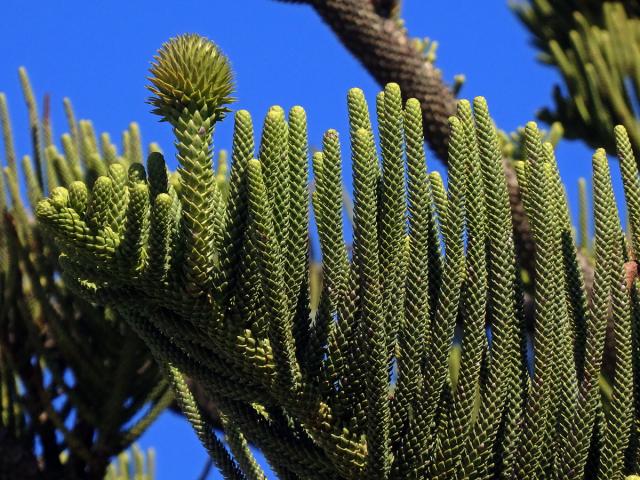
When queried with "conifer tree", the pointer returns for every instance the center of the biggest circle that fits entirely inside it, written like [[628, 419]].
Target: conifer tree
[[74, 380], [465, 335], [433, 266]]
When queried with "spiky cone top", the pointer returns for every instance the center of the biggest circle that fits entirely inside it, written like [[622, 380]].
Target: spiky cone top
[[190, 71], [191, 83]]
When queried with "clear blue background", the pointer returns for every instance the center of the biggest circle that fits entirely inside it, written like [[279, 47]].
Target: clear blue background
[[98, 52]]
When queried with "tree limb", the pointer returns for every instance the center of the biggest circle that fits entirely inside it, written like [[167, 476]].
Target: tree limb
[[385, 50]]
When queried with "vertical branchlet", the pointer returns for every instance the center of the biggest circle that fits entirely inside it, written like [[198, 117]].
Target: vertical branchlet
[[193, 100], [589, 395], [392, 213], [413, 330], [374, 358], [474, 341], [500, 368], [34, 125], [270, 260]]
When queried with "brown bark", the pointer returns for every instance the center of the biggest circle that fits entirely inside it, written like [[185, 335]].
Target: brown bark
[[385, 50]]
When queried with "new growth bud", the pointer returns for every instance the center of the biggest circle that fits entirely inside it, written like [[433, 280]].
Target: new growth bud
[[190, 72]]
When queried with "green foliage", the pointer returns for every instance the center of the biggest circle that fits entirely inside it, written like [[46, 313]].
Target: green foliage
[[359, 385], [74, 378], [133, 465], [594, 45]]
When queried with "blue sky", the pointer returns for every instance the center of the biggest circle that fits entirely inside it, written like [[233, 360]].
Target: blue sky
[[97, 53]]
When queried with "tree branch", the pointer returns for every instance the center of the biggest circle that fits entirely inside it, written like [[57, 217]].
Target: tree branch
[[385, 50]]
